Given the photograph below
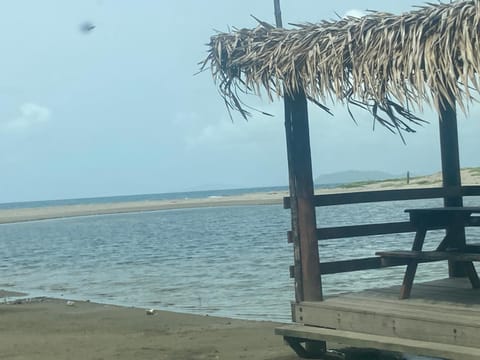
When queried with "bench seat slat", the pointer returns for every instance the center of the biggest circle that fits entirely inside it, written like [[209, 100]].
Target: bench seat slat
[[430, 255]]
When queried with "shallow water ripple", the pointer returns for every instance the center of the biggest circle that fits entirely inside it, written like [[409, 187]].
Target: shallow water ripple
[[227, 261]]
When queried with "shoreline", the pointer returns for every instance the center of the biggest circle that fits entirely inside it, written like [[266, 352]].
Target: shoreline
[[49, 328], [470, 176], [8, 294]]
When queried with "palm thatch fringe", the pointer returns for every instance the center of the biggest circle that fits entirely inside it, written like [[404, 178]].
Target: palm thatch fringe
[[380, 62]]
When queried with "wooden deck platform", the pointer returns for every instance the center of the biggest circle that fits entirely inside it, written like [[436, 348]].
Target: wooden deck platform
[[441, 319]]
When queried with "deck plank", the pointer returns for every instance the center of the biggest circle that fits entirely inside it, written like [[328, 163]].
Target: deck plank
[[424, 348], [443, 311]]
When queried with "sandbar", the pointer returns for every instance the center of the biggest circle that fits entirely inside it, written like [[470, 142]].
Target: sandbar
[[470, 176], [53, 212]]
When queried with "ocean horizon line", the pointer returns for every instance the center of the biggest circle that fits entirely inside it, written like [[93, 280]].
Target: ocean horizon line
[[176, 195], [194, 194]]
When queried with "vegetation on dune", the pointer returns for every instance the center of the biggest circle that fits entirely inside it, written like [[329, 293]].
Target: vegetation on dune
[[427, 180]]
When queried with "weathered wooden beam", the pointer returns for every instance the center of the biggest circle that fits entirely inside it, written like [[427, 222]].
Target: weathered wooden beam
[[389, 195], [377, 196], [471, 190], [449, 153], [294, 233], [451, 170], [418, 336], [278, 13], [341, 232], [430, 255], [307, 278], [342, 266], [375, 262], [364, 230]]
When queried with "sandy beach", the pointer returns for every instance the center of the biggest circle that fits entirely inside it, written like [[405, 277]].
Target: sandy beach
[[45, 328], [469, 177], [53, 212]]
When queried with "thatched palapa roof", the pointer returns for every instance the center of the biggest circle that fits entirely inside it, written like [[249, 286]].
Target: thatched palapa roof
[[388, 64]]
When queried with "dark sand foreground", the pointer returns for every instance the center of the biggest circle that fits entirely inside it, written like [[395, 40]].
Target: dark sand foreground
[[54, 329]]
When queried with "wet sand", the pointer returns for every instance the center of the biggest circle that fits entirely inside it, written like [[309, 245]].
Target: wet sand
[[54, 329]]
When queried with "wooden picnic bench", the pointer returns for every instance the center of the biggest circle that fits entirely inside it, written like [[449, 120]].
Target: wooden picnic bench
[[453, 246]]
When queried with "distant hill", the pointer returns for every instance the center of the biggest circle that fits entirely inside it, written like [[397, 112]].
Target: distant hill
[[350, 176]]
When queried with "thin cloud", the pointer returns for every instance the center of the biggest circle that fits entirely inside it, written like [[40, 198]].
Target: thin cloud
[[30, 115], [354, 13]]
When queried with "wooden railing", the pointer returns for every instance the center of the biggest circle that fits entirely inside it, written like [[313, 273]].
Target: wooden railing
[[388, 195], [340, 232]]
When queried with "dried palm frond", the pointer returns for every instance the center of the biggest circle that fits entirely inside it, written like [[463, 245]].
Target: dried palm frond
[[390, 64]]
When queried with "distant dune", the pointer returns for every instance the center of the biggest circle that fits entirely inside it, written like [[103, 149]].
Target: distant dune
[[349, 176], [470, 176]]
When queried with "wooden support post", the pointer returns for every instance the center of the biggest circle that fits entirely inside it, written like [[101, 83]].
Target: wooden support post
[[314, 349], [308, 285], [451, 174], [278, 13]]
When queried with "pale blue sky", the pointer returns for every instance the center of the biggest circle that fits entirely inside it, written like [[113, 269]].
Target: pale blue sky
[[119, 110]]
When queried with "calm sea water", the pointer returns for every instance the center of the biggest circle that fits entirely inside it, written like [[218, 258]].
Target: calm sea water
[[226, 261]]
